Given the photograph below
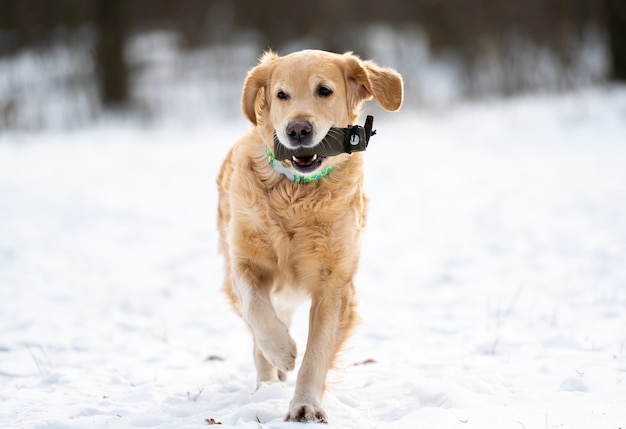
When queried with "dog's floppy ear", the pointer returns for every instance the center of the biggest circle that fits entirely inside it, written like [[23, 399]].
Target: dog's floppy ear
[[253, 98], [367, 80]]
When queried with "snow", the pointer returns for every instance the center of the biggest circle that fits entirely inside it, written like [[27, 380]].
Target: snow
[[492, 281]]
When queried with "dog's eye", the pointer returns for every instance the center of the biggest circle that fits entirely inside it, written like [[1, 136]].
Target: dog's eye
[[324, 91], [281, 95]]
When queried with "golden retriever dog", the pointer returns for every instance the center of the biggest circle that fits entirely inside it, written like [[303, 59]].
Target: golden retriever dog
[[290, 229]]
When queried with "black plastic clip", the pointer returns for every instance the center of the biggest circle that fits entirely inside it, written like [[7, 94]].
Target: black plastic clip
[[358, 137], [369, 123]]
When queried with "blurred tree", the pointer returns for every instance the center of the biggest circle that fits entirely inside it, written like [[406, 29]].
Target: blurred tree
[[112, 29], [616, 28]]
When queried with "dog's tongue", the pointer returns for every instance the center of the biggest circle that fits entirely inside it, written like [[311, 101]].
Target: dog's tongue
[[304, 161]]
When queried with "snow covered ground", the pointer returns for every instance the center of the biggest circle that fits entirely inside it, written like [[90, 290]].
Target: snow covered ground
[[492, 280]]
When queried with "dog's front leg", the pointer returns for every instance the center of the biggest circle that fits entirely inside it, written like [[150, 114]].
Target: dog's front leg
[[330, 320], [274, 349]]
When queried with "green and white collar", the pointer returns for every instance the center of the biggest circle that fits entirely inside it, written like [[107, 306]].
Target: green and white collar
[[281, 169]]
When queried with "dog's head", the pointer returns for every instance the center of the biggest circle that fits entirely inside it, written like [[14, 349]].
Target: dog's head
[[299, 97]]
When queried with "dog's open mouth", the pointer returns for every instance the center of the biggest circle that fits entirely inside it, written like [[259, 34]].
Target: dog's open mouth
[[306, 164]]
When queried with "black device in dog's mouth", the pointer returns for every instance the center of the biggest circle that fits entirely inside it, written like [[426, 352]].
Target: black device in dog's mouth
[[354, 138]]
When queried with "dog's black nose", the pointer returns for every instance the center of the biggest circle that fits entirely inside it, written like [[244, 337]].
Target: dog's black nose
[[299, 131]]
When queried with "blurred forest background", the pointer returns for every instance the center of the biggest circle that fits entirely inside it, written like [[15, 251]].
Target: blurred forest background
[[68, 63]]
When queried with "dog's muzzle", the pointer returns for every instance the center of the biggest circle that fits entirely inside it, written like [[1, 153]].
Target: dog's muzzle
[[354, 138]]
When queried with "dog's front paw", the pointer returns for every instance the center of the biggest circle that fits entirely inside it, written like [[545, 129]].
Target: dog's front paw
[[307, 413], [279, 350]]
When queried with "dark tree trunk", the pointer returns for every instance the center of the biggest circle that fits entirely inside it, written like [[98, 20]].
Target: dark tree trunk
[[113, 74], [616, 28]]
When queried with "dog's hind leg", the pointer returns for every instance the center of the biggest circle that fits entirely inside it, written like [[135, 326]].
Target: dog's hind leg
[[285, 312], [273, 345], [266, 372]]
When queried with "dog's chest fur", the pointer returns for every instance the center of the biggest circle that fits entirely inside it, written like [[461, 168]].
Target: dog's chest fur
[[303, 230]]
